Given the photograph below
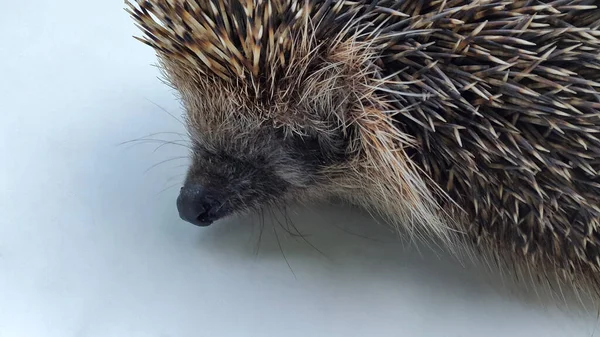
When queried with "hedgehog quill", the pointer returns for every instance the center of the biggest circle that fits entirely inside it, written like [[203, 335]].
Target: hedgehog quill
[[476, 122]]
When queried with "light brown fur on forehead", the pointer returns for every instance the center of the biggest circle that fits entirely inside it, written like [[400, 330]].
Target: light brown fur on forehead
[[236, 41], [226, 62]]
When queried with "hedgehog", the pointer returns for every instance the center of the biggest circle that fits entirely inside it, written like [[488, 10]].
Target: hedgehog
[[473, 122]]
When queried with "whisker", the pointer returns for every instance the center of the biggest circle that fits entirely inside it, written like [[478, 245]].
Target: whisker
[[158, 147], [291, 223], [166, 188], [356, 234], [282, 252], [164, 161], [182, 136], [166, 111], [152, 140], [261, 214]]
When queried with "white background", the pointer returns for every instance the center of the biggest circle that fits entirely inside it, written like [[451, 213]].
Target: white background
[[90, 241]]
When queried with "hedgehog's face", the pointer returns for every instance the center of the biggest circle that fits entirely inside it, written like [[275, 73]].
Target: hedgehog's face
[[242, 161]]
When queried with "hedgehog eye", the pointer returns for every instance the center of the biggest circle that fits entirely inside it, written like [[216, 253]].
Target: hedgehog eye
[[305, 142]]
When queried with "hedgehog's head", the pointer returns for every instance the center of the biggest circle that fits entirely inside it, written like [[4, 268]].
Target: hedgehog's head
[[281, 104], [247, 154]]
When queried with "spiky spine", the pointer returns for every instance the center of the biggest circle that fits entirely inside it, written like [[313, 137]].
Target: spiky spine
[[484, 111]]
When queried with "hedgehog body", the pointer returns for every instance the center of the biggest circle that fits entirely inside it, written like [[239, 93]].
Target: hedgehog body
[[477, 122]]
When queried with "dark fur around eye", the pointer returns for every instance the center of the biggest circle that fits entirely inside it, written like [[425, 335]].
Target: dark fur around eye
[[319, 150]]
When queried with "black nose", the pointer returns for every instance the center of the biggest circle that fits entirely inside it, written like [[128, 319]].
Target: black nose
[[196, 206]]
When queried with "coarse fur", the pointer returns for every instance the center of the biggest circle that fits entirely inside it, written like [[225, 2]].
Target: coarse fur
[[475, 122]]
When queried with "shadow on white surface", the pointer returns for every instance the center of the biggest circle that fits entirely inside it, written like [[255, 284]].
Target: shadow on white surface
[[91, 245]]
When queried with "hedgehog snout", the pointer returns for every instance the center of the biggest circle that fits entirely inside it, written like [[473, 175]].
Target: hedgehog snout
[[198, 206]]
